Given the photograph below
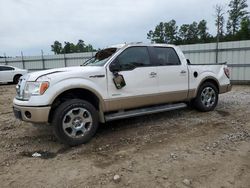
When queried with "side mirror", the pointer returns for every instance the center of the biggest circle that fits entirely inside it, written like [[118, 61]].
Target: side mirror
[[188, 62], [119, 81], [114, 67]]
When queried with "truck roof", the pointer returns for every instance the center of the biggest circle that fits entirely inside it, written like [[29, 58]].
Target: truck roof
[[140, 44]]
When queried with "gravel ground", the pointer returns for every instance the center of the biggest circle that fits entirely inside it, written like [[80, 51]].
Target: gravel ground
[[182, 148]]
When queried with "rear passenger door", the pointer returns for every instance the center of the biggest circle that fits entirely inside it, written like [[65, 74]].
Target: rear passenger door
[[172, 75]]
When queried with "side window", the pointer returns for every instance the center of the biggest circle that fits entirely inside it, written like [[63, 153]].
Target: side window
[[134, 57], [3, 68], [166, 56]]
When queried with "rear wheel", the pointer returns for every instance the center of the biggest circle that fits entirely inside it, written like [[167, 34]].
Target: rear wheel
[[75, 122], [207, 97]]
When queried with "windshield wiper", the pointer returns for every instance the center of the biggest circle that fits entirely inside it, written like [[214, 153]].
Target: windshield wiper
[[87, 61]]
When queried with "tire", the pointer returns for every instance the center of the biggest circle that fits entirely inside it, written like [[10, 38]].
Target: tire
[[207, 97], [75, 122], [16, 78]]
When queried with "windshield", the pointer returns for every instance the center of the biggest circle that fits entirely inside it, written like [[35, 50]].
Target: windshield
[[101, 57]]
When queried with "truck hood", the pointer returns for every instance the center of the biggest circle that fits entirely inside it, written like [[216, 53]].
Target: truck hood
[[73, 71]]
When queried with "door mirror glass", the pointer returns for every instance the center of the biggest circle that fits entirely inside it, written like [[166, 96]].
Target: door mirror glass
[[119, 81], [188, 62]]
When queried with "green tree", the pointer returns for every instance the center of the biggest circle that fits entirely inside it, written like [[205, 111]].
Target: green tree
[[80, 46], [68, 48], [236, 12], [165, 32], [203, 34], [244, 32], [158, 35], [189, 33], [56, 47], [219, 21], [171, 32], [193, 32], [89, 48], [72, 48], [183, 32]]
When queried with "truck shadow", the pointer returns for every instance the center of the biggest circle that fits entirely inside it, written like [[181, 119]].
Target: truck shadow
[[114, 136], [110, 136]]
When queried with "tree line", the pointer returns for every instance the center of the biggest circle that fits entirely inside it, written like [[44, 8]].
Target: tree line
[[236, 28], [70, 47]]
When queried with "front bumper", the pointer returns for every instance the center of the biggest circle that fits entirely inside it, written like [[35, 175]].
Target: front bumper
[[225, 88], [32, 114]]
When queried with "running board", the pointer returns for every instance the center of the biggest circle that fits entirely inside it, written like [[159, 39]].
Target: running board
[[144, 111]]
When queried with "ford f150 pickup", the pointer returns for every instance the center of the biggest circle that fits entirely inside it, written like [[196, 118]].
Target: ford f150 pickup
[[118, 82]]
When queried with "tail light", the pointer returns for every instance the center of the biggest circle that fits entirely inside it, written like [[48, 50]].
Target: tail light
[[227, 72]]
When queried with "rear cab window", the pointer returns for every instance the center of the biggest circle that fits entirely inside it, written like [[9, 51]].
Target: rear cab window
[[165, 56]]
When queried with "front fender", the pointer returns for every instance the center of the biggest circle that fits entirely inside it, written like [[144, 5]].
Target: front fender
[[99, 90]]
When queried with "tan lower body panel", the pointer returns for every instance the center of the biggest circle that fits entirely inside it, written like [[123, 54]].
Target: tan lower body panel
[[222, 89], [144, 100], [225, 88], [38, 114], [191, 94]]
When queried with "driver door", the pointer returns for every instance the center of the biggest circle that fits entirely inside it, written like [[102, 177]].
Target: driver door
[[140, 77]]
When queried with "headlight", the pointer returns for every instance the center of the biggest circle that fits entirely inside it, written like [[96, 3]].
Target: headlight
[[34, 88]]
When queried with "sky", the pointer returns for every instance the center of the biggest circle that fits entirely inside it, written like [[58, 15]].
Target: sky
[[30, 26]]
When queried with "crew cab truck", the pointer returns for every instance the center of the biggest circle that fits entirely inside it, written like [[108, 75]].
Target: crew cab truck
[[118, 82]]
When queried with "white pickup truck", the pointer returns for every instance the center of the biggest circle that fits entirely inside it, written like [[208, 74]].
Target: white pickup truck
[[118, 82]]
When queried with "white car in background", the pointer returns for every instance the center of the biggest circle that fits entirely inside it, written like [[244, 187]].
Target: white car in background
[[11, 74]]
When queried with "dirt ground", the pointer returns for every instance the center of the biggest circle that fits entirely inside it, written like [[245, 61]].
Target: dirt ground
[[182, 148]]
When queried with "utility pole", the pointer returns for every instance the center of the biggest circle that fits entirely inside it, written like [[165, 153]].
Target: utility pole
[[217, 41], [23, 60], [219, 22], [5, 60], [43, 60]]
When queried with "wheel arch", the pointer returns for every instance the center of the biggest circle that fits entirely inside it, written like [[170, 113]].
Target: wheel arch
[[211, 80], [78, 93], [16, 75]]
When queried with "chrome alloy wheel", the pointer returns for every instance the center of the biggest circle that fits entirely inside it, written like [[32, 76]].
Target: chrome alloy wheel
[[77, 122], [208, 97]]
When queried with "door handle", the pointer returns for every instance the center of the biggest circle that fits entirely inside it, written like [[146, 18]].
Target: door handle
[[153, 74], [183, 72]]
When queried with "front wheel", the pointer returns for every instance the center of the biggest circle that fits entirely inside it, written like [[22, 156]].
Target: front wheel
[[207, 97], [75, 122]]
